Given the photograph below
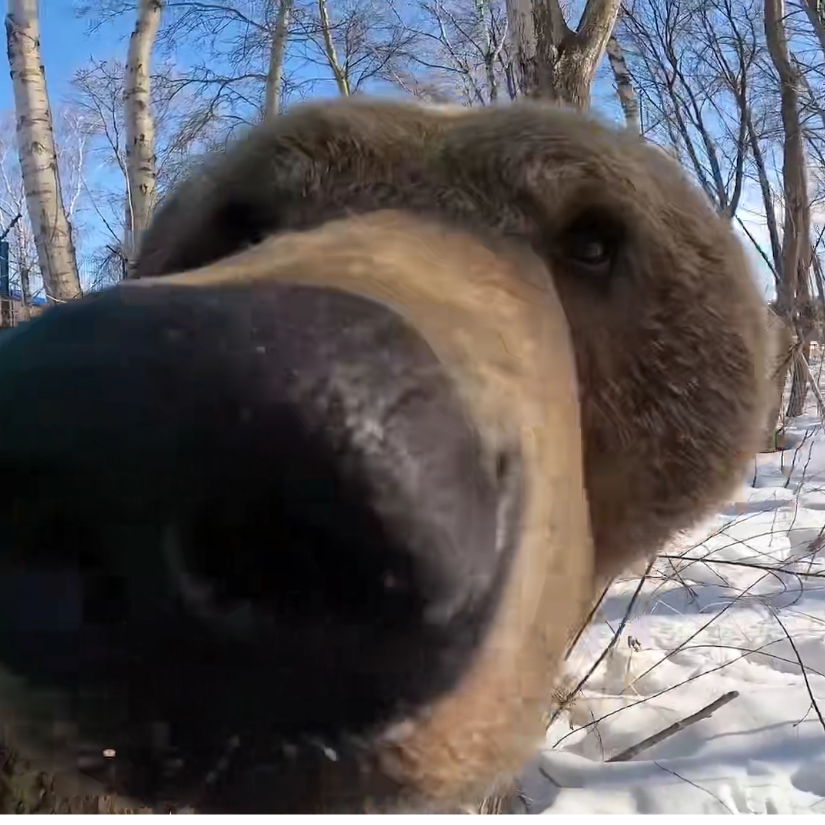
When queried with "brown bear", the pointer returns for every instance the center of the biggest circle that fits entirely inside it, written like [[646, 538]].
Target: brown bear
[[303, 516]]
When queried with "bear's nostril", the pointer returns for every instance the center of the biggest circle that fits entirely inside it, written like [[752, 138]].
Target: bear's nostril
[[282, 517]]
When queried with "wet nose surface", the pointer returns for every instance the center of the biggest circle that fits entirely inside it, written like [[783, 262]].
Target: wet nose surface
[[239, 512]]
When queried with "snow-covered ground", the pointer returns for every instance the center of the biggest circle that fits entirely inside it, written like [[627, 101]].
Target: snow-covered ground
[[738, 605]]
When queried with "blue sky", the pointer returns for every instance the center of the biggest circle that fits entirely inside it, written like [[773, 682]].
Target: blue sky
[[67, 44]]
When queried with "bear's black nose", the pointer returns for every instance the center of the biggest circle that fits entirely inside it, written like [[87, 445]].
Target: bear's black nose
[[252, 510]]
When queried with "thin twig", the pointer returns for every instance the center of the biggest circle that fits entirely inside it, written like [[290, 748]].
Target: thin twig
[[693, 784], [693, 635], [707, 711], [616, 636], [751, 566], [586, 623], [802, 667], [658, 693]]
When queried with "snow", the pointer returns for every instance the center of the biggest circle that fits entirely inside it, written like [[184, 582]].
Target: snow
[[736, 605]]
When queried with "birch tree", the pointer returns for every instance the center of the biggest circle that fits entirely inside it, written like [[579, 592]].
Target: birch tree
[[140, 126], [341, 78], [277, 52], [624, 86], [181, 136], [38, 155], [238, 76]]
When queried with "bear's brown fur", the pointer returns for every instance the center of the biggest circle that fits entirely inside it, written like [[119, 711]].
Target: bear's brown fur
[[589, 306], [668, 348]]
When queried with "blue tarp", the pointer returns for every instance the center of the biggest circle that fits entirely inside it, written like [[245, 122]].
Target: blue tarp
[[17, 295]]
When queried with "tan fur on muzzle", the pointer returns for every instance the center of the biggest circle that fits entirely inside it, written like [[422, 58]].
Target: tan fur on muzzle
[[493, 317]]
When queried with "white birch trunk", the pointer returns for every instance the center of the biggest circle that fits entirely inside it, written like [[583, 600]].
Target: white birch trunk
[[140, 127], [274, 77], [624, 86], [38, 155], [341, 79]]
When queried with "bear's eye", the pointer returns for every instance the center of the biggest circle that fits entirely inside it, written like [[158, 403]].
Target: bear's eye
[[587, 247], [591, 243]]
